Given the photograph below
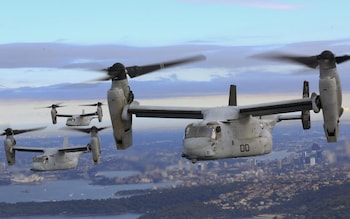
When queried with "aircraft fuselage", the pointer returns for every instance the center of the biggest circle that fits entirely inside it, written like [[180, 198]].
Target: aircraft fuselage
[[56, 161], [79, 120], [243, 137]]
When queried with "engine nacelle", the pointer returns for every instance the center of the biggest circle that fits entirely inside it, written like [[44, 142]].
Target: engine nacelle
[[10, 153], [331, 107], [95, 148], [54, 116], [118, 97], [99, 113]]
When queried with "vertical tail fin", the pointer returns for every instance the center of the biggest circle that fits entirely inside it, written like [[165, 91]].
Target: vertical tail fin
[[305, 114], [232, 101], [65, 142]]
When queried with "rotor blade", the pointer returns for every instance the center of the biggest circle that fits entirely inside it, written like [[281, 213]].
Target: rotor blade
[[102, 128], [93, 104], [341, 59], [27, 130], [10, 131], [105, 78], [86, 130], [55, 105], [135, 71], [308, 61]]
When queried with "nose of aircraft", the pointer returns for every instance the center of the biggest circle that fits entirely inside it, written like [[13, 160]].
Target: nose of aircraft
[[37, 166], [197, 148]]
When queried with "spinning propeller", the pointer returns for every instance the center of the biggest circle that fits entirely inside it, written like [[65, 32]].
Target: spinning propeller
[[93, 129], [10, 131], [118, 71], [309, 61], [94, 104], [54, 106]]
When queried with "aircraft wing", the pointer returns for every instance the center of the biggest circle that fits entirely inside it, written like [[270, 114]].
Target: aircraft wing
[[28, 149], [73, 149], [88, 114], [67, 115], [277, 107], [165, 112], [64, 115]]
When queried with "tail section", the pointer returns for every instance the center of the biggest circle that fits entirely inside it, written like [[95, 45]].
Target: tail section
[[233, 96], [65, 142], [305, 114]]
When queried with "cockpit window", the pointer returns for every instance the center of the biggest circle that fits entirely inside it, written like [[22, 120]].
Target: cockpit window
[[201, 131], [41, 159]]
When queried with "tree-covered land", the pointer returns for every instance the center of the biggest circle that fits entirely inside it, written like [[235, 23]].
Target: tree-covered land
[[191, 202]]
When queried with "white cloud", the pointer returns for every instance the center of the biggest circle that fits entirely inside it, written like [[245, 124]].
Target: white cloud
[[186, 74]]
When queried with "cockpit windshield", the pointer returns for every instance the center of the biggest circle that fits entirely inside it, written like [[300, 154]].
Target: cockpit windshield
[[195, 131], [41, 159]]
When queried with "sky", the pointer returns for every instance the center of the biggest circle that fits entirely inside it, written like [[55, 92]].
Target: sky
[[50, 51]]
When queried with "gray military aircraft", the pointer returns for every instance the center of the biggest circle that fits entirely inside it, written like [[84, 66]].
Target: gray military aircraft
[[330, 98], [222, 132], [95, 143], [83, 119], [52, 158]]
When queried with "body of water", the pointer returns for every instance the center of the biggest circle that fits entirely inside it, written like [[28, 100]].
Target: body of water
[[61, 190]]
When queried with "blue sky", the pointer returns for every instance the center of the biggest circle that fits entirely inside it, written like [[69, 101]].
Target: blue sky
[[43, 42], [169, 22]]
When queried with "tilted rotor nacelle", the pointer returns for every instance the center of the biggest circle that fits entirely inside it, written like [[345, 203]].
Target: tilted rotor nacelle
[[10, 142], [120, 95], [99, 111], [330, 93], [95, 143], [54, 111]]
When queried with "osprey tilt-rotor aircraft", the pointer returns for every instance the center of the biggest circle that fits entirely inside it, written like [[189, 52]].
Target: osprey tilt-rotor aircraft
[[221, 132], [53, 158], [330, 97], [95, 143], [83, 119]]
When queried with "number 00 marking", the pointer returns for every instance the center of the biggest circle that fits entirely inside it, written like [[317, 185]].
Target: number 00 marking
[[244, 147]]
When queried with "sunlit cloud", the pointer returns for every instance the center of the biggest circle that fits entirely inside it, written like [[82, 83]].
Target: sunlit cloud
[[186, 74]]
